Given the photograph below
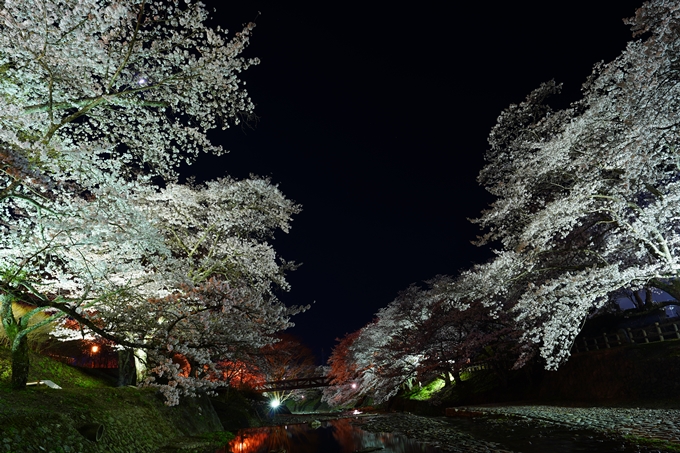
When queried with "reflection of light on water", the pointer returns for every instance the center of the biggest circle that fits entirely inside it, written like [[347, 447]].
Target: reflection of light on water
[[248, 442], [334, 435]]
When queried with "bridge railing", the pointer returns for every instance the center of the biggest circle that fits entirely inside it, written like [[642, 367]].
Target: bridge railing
[[626, 336], [294, 384]]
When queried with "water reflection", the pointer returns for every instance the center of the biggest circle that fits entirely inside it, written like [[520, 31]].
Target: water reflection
[[335, 436]]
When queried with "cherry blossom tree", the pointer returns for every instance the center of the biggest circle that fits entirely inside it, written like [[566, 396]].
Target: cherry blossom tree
[[101, 102], [67, 255], [586, 205], [221, 227], [209, 296], [138, 80], [425, 333], [587, 196], [342, 372], [361, 363], [206, 325], [391, 365], [455, 333], [283, 360], [218, 238]]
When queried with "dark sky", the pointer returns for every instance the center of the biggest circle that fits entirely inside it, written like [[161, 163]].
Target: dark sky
[[375, 118]]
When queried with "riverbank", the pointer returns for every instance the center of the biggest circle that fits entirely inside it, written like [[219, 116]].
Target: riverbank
[[136, 420], [659, 427], [111, 420], [514, 429], [89, 415]]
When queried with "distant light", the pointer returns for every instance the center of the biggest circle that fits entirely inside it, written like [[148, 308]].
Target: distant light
[[356, 412], [275, 403], [302, 397], [354, 385], [95, 348], [141, 79]]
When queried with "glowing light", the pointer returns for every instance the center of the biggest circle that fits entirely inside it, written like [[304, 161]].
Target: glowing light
[[356, 412], [141, 79], [274, 403], [354, 385], [95, 349]]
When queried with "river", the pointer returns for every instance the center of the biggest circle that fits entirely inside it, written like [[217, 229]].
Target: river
[[489, 435], [333, 436]]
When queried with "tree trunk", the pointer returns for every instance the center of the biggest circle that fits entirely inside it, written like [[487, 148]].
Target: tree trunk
[[19, 351], [639, 304], [456, 377], [649, 298], [501, 370], [140, 365], [20, 364], [447, 379], [127, 374]]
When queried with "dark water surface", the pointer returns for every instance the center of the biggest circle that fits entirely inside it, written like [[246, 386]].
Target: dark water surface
[[334, 436], [340, 436]]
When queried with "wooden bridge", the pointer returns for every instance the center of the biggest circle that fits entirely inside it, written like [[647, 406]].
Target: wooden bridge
[[293, 384]]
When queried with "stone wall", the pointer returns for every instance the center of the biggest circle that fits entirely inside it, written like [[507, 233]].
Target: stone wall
[[638, 375], [632, 373]]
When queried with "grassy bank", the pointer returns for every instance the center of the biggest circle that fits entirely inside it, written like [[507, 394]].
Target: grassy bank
[[42, 419]]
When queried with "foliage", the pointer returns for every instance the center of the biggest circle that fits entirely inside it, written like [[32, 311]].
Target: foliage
[[342, 372], [420, 336], [102, 101], [92, 75], [587, 196], [425, 392], [285, 359], [585, 207]]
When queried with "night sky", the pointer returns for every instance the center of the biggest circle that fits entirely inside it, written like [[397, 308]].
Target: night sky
[[375, 120]]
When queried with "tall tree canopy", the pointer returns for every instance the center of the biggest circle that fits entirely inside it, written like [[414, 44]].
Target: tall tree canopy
[[586, 205], [101, 102], [587, 196], [425, 333]]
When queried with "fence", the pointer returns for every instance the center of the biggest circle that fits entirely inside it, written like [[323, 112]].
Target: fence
[[478, 367], [87, 361], [626, 336]]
